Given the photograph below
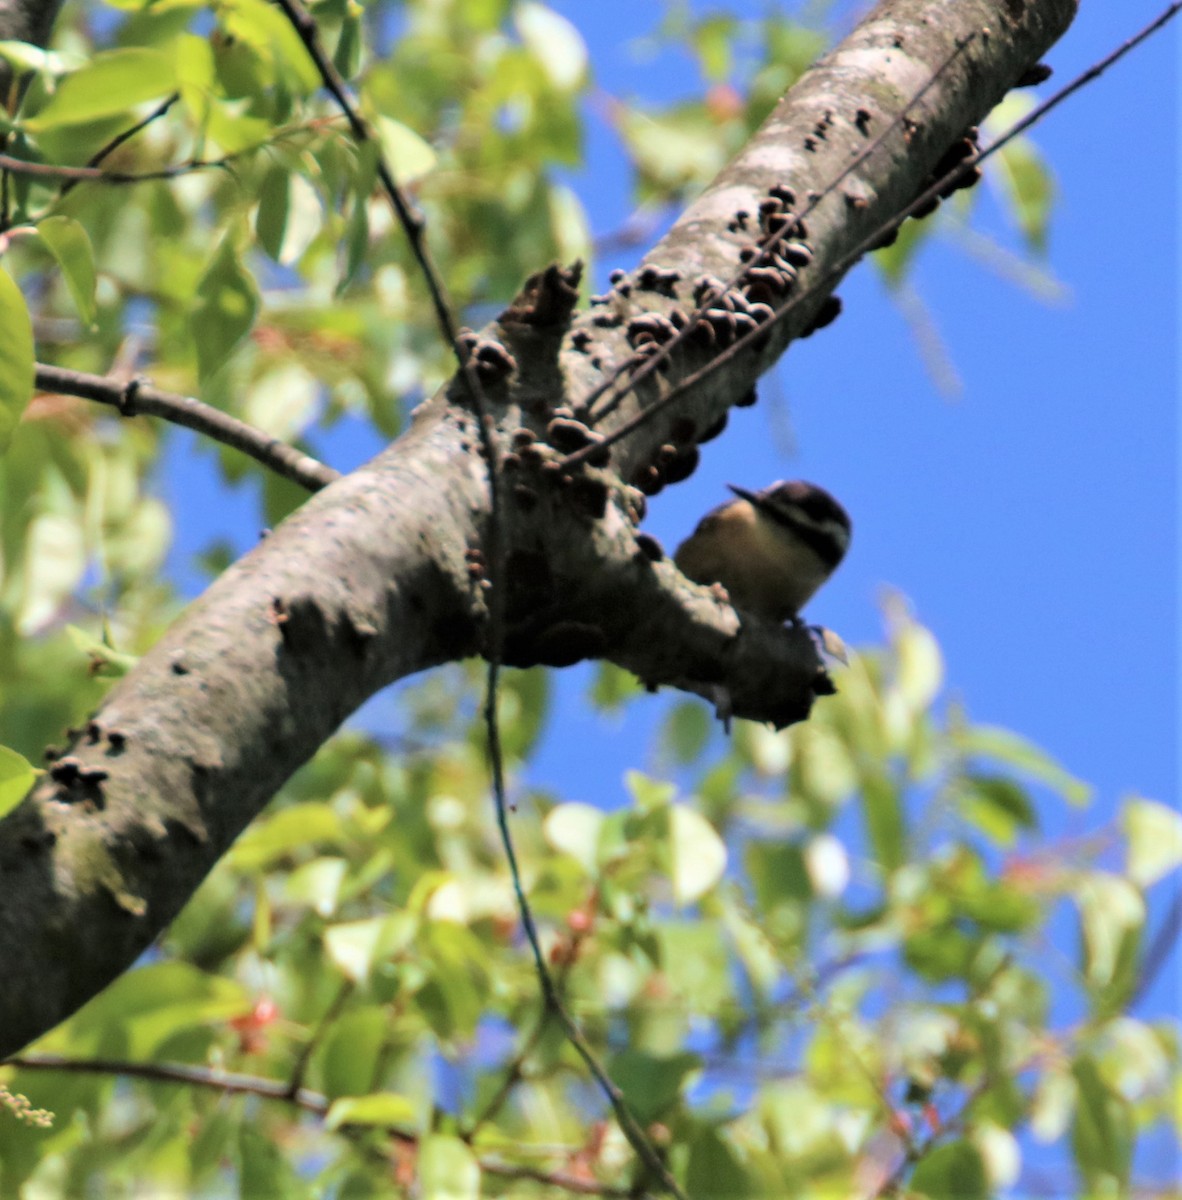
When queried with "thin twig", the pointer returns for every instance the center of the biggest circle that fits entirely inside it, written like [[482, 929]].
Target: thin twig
[[309, 1101], [867, 243], [138, 397], [408, 214], [628, 1123], [120, 138], [768, 248], [208, 1077], [1159, 949], [516, 1068], [76, 175], [305, 1056]]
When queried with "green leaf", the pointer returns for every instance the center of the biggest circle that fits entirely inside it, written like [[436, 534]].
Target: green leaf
[[894, 260], [647, 793], [152, 1004], [752, 946], [26, 57], [110, 83], [388, 1109], [554, 42], [270, 221], [68, 242], [227, 301], [941, 954], [17, 775], [716, 1170], [521, 708], [883, 809], [1112, 915], [713, 39], [448, 1168], [264, 30], [16, 357], [1019, 753], [1102, 1133], [263, 1169], [1019, 167], [953, 1170], [673, 150], [1154, 833], [697, 855], [686, 732], [407, 155], [614, 687], [652, 1084], [104, 660], [352, 1049], [274, 837], [997, 805]]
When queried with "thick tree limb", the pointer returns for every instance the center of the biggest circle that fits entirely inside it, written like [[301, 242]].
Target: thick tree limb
[[379, 575]]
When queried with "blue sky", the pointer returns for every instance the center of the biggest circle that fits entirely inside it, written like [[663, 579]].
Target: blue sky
[[1033, 520]]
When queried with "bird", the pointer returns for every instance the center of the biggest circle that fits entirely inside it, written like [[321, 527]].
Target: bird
[[771, 549]]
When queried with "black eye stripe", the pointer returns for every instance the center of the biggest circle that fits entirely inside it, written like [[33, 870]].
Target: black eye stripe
[[823, 535]]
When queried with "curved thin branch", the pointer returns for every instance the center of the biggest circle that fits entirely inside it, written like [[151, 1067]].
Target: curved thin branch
[[137, 397], [309, 1101], [631, 1128]]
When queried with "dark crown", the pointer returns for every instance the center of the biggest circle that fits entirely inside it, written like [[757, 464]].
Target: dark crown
[[809, 511]]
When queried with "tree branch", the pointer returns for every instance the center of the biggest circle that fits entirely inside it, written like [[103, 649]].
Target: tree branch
[[138, 398], [234, 1083], [379, 575]]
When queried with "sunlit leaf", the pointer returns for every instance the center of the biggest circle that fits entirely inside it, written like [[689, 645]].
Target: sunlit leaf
[[1154, 833], [447, 1167], [356, 946], [68, 242], [1024, 176], [698, 854], [17, 775], [919, 665], [16, 357], [317, 884], [407, 155], [55, 558], [110, 83], [379, 1108], [574, 829], [24, 56], [105, 660], [554, 42], [1112, 915]]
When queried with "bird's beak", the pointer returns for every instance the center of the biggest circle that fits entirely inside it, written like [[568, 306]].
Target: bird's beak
[[744, 494]]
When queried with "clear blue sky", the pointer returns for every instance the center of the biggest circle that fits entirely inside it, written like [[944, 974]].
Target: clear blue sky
[[1032, 521]]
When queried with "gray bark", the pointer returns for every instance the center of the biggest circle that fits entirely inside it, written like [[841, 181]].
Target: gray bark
[[372, 579]]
